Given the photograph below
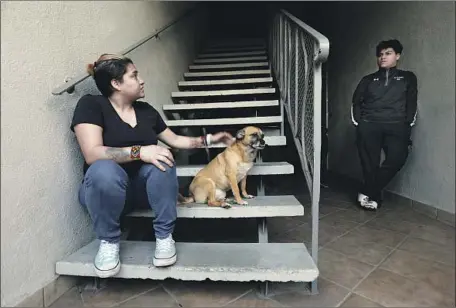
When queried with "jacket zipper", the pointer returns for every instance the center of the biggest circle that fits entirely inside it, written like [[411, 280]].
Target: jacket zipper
[[386, 82]]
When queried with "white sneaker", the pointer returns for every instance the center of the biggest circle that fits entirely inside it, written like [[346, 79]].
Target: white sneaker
[[165, 252], [107, 261], [372, 205], [363, 199]]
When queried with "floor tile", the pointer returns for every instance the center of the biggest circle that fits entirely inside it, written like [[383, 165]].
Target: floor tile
[[439, 233], [380, 236], [392, 223], [408, 214], [430, 251], [117, 291], [155, 298], [355, 215], [71, 298], [354, 245], [303, 233], [337, 223], [253, 299], [207, 293], [392, 290], [339, 268], [355, 300], [440, 276], [330, 295]]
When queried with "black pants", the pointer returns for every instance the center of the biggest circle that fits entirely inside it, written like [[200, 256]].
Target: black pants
[[372, 137]]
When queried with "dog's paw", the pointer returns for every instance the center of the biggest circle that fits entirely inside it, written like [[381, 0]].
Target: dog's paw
[[226, 205], [242, 202], [249, 196]]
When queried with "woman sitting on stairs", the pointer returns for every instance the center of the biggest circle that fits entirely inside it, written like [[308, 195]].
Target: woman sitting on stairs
[[118, 138]]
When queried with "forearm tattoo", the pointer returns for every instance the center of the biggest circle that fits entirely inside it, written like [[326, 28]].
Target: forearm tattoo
[[196, 142], [118, 154]]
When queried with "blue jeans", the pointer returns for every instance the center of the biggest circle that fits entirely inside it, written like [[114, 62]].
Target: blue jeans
[[105, 189]]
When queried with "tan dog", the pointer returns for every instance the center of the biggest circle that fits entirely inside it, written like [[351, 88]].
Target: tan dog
[[226, 170]]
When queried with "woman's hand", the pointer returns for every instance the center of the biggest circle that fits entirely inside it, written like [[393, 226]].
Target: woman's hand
[[223, 137], [154, 154]]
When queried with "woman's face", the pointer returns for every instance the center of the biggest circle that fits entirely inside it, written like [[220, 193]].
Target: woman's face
[[132, 85]]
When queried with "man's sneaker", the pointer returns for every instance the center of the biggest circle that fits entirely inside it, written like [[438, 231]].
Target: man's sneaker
[[165, 252], [107, 262], [362, 198], [370, 205]]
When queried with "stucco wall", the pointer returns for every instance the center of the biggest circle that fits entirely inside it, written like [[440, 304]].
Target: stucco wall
[[427, 31], [42, 44]]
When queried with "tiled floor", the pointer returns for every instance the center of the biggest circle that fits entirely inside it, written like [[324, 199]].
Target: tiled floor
[[395, 257]]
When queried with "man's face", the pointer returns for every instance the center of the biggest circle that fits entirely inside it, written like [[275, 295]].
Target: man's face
[[387, 58]]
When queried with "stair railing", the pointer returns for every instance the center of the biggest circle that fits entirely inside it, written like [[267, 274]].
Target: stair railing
[[297, 52]]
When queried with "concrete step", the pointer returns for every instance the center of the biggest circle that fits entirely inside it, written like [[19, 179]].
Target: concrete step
[[232, 49], [225, 121], [227, 60], [200, 261], [271, 141], [225, 74], [221, 105], [232, 54], [263, 206], [264, 168], [237, 43], [221, 93], [245, 82], [231, 66]]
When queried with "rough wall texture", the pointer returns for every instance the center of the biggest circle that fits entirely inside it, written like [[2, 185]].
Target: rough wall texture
[[427, 31], [42, 44]]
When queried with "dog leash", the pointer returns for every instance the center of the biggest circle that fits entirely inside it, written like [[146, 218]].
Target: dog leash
[[206, 147]]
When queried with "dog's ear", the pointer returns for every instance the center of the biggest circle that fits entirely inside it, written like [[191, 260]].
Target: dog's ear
[[240, 134]]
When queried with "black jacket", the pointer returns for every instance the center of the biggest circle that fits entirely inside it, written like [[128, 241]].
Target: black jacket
[[387, 96]]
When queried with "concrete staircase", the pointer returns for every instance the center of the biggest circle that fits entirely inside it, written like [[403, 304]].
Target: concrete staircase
[[232, 78]]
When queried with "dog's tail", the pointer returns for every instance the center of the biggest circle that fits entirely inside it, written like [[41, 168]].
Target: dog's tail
[[184, 200]]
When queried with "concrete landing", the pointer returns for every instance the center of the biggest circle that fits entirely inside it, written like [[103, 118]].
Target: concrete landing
[[200, 261], [263, 206]]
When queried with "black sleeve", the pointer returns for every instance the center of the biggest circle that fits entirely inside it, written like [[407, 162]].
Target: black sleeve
[[87, 110], [358, 98], [411, 98], [160, 124]]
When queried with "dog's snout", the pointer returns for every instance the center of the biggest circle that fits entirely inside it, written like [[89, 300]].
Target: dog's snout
[[262, 142]]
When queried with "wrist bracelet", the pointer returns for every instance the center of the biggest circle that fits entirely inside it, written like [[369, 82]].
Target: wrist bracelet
[[135, 152]]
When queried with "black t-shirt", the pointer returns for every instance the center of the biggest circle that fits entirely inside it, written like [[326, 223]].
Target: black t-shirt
[[97, 109]]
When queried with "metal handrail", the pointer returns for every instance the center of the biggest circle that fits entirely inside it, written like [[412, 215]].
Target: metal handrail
[[303, 113], [70, 84], [322, 40]]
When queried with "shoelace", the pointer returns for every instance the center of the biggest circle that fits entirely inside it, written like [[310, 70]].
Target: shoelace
[[108, 250], [165, 244]]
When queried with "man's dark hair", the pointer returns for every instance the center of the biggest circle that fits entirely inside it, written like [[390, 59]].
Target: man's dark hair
[[395, 44]]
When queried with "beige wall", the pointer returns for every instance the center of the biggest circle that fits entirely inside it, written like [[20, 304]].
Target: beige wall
[[42, 44], [427, 31]]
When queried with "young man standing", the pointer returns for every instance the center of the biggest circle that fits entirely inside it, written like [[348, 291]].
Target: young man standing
[[384, 110]]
